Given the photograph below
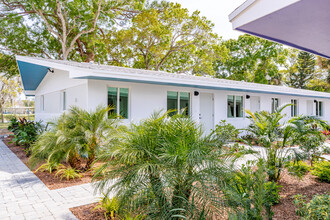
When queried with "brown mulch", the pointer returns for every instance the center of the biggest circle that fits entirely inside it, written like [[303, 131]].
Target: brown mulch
[[88, 212], [4, 131], [49, 179], [308, 186]]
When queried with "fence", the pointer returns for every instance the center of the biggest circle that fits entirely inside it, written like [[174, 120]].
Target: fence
[[27, 112]]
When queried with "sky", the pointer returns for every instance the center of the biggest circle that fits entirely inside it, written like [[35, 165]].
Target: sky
[[216, 11]]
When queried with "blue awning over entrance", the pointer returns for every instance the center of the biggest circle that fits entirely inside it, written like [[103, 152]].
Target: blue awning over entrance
[[31, 74]]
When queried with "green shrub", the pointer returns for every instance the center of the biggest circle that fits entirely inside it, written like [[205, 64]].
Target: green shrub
[[225, 132], [250, 194], [273, 192], [322, 170], [25, 132], [110, 206], [68, 173], [297, 168], [49, 166], [318, 208]]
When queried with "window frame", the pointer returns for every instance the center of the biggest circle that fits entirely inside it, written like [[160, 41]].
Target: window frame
[[118, 101], [317, 109], [178, 100], [42, 103], [234, 100], [63, 100], [294, 107], [273, 104]]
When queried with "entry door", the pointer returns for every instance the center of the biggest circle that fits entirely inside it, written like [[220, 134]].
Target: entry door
[[206, 115], [254, 104]]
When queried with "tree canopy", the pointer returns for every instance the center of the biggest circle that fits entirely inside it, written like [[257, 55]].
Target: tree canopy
[[251, 59]]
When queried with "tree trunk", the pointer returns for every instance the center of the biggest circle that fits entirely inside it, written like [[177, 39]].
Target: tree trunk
[[1, 111], [74, 161], [89, 162]]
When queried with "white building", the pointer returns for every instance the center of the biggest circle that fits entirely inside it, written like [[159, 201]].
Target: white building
[[136, 93]]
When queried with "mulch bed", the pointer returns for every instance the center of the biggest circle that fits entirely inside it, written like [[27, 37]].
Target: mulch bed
[[49, 179], [88, 212], [308, 186], [285, 210]]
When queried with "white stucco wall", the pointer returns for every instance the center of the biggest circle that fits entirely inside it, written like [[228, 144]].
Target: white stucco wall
[[52, 87], [147, 98], [144, 99]]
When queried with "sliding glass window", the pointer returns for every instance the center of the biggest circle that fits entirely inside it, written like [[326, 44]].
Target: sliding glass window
[[235, 105], [178, 99], [319, 108], [275, 104], [118, 100], [294, 107]]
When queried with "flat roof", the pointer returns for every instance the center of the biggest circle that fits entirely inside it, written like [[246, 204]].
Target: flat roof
[[32, 71]]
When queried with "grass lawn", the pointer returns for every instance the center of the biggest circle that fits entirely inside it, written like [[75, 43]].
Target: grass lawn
[[3, 125]]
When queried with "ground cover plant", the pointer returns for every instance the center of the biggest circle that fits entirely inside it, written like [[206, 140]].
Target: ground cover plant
[[322, 170], [297, 168], [317, 208]]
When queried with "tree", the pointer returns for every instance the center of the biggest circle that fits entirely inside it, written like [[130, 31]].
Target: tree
[[166, 37], [9, 89], [251, 59], [304, 71], [57, 29], [8, 65]]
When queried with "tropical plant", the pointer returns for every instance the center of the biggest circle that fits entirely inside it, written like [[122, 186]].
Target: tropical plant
[[322, 170], [109, 206], [160, 163], [49, 166], [68, 173], [274, 137], [129, 216], [225, 132], [297, 168], [75, 137], [26, 132], [317, 208], [249, 193], [307, 133]]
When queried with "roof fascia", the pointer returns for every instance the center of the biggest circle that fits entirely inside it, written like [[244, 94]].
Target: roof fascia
[[252, 10]]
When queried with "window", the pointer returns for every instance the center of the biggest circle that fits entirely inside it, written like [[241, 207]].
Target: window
[[178, 100], [118, 99], [234, 106], [64, 100], [42, 103], [319, 108], [275, 104], [294, 107]]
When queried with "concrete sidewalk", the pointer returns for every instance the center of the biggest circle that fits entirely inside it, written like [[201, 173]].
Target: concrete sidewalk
[[24, 196]]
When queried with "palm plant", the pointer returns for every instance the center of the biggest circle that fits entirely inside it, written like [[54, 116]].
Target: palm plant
[[160, 164], [308, 135], [75, 136], [274, 137]]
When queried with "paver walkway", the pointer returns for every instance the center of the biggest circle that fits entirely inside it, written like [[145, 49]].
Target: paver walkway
[[24, 196]]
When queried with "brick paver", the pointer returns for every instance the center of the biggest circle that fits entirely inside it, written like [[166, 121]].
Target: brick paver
[[24, 196]]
